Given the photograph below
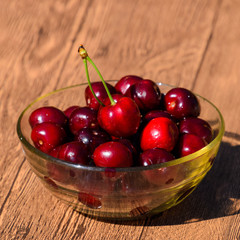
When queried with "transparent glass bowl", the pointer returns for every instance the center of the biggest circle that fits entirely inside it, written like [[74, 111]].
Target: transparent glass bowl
[[121, 193]]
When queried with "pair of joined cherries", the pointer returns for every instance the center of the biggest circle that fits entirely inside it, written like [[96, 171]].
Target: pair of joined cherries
[[130, 124]]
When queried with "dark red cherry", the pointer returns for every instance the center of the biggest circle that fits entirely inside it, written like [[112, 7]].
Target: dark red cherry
[[125, 82], [158, 113], [129, 145], [83, 117], [112, 155], [116, 97], [121, 119], [182, 103], [190, 143], [47, 136], [160, 176], [74, 152], [92, 138], [69, 110], [155, 156], [159, 133], [47, 114], [146, 94], [100, 92], [198, 127]]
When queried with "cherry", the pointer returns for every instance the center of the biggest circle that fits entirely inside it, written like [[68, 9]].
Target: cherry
[[129, 145], [83, 117], [92, 138], [69, 110], [47, 136], [198, 127], [161, 176], [146, 94], [125, 82], [159, 133], [112, 155], [47, 114], [100, 92], [190, 143], [116, 97], [121, 119], [74, 152], [158, 113], [182, 103]]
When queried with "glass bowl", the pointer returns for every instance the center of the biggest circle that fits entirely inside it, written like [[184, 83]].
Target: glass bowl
[[121, 193]]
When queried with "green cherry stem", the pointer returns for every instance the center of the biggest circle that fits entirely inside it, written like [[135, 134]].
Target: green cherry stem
[[83, 53], [89, 82], [104, 83]]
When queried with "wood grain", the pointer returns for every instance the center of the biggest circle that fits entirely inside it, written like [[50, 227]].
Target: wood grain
[[194, 44]]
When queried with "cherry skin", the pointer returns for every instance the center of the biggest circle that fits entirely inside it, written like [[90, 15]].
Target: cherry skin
[[182, 103], [116, 97], [92, 138], [125, 82], [146, 94], [83, 117], [190, 143], [47, 114], [47, 136], [159, 133], [129, 145], [100, 92], [69, 110], [112, 155], [74, 152], [121, 119], [161, 176], [198, 127], [157, 113]]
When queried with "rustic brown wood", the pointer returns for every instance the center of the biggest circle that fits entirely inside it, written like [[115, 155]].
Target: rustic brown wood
[[191, 43]]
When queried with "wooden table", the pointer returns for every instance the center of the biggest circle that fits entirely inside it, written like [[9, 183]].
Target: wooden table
[[194, 44]]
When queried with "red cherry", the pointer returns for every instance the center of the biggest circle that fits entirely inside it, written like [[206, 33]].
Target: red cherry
[[100, 92], [74, 152], [158, 113], [116, 97], [182, 103], [47, 114], [69, 110], [190, 143], [146, 94], [112, 155], [125, 82], [159, 133], [83, 117], [121, 119], [198, 127], [161, 176], [92, 138], [47, 136]]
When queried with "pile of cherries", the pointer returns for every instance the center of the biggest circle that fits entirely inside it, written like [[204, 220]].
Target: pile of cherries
[[129, 124]]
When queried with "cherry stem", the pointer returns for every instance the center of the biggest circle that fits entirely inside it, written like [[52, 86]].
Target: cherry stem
[[83, 53], [89, 82]]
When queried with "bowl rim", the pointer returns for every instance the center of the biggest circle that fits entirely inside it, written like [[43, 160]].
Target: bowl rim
[[174, 162]]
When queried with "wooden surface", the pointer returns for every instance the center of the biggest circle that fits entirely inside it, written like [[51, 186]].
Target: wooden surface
[[194, 44]]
